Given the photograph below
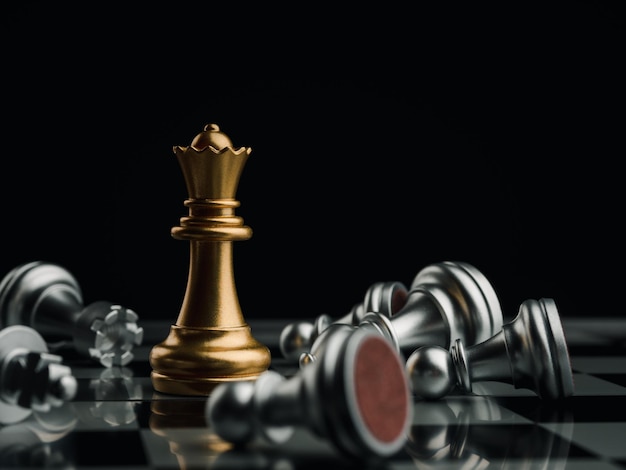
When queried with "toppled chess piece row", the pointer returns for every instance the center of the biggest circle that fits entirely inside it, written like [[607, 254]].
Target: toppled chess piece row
[[450, 325], [451, 328], [41, 303]]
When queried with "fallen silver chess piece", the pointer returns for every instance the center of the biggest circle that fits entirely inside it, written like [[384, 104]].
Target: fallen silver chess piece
[[46, 297], [356, 397], [529, 352], [31, 379], [447, 300]]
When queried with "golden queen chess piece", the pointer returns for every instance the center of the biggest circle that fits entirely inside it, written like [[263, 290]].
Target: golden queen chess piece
[[210, 343]]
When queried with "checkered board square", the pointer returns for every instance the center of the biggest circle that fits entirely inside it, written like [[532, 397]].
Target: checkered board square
[[117, 420]]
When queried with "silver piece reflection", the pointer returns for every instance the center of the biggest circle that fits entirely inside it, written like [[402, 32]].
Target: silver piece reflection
[[31, 379], [39, 440], [446, 301], [529, 352], [46, 297], [467, 434]]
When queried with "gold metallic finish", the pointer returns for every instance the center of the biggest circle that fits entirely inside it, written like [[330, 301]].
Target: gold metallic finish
[[211, 342]]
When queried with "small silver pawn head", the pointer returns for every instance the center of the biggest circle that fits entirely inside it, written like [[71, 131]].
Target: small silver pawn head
[[229, 409], [431, 372], [295, 339], [298, 338]]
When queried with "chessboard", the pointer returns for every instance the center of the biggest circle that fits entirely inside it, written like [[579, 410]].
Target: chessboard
[[118, 420]]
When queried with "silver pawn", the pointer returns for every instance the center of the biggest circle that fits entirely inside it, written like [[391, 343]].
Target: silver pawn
[[446, 301], [529, 352], [31, 379], [48, 298], [386, 298], [356, 397]]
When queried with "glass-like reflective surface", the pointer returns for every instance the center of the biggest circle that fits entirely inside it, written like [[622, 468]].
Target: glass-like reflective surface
[[118, 420]]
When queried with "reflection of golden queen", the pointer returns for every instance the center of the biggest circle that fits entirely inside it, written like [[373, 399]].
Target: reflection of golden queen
[[183, 425], [210, 343]]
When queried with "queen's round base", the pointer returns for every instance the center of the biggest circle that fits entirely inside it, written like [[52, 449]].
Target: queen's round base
[[193, 361]]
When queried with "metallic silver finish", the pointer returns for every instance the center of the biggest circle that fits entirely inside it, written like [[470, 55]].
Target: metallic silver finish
[[385, 298], [459, 358], [335, 332], [31, 379], [296, 338], [321, 397], [434, 369], [529, 352], [46, 297], [447, 301]]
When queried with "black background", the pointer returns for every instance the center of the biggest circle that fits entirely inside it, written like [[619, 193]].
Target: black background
[[382, 140]]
